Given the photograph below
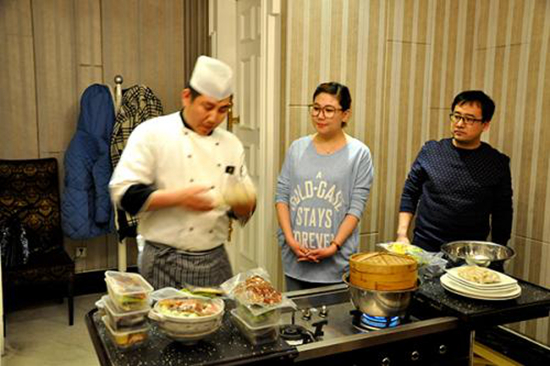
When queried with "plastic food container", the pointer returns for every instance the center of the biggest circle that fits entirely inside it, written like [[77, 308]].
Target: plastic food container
[[257, 335], [271, 317], [126, 339], [128, 291], [121, 321], [176, 319]]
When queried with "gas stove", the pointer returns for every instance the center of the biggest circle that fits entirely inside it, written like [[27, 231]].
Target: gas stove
[[327, 325]]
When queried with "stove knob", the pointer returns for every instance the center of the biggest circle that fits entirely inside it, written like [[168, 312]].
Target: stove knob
[[386, 361], [442, 349], [306, 314], [415, 356], [324, 312]]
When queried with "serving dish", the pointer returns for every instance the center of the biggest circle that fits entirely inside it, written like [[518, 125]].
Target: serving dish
[[188, 320]]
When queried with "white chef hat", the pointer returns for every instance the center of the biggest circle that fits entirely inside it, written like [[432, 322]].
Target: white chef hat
[[212, 77]]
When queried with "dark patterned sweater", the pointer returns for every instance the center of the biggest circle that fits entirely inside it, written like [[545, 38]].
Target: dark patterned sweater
[[458, 194]]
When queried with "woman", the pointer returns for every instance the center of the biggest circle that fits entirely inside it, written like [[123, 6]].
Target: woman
[[321, 194]]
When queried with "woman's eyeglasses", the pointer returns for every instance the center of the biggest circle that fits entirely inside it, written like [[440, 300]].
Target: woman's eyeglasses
[[455, 118], [328, 111]]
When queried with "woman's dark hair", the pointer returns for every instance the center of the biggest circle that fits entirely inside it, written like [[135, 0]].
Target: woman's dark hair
[[340, 91], [476, 96]]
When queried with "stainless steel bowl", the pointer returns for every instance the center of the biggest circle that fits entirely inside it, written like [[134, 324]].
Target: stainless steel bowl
[[481, 253], [379, 303]]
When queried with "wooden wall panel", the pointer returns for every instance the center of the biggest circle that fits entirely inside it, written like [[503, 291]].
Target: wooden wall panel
[[162, 70], [52, 50], [409, 61], [120, 42], [53, 33], [17, 104]]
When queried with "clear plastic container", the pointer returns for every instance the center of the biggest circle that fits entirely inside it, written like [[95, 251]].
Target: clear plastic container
[[257, 335], [270, 317], [123, 321], [128, 291], [127, 339]]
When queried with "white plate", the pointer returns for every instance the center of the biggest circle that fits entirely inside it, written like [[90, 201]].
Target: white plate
[[499, 292], [505, 281], [467, 287], [452, 286]]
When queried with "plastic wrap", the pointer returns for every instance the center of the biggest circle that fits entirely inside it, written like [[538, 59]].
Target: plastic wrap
[[253, 290], [430, 264]]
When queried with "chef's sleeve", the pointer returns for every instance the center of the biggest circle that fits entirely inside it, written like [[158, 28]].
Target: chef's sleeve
[[132, 182]]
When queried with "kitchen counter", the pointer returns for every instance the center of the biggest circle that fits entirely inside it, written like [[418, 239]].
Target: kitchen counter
[[440, 323], [226, 346], [534, 302]]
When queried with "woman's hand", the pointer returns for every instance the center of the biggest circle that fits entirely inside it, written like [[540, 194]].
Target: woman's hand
[[317, 255], [299, 251]]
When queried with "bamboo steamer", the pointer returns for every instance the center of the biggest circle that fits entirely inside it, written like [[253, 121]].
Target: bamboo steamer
[[383, 271]]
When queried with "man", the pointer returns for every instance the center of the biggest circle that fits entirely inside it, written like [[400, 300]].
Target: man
[[460, 188], [172, 174]]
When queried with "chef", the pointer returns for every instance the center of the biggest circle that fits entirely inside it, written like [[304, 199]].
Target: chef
[[172, 173]]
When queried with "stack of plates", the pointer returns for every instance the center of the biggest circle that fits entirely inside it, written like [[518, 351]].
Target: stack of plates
[[507, 288]]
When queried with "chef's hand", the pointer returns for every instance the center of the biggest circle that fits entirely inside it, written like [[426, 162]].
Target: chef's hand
[[317, 255], [195, 198], [244, 209]]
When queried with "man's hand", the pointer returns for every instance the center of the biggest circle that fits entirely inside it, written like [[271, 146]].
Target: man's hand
[[194, 198], [244, 209], [402, 239]]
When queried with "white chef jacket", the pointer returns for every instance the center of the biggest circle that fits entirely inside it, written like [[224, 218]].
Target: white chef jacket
[[164, 153]]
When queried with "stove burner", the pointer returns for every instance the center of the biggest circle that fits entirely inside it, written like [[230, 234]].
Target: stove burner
[[379, 322], [296, 335], [365, 322]]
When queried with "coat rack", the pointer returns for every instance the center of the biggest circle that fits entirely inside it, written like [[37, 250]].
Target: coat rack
[[118, 92], [122, 252]]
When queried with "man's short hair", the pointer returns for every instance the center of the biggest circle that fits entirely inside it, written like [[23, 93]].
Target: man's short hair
[[476, 96]]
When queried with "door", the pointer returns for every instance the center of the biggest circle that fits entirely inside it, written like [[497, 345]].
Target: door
[[247, 107], [246, 34]]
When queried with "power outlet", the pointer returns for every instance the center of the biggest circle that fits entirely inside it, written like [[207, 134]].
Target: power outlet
[[80, 252]]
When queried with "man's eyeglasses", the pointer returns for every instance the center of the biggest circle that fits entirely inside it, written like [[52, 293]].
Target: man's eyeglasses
[[455, 118], [328, 111]]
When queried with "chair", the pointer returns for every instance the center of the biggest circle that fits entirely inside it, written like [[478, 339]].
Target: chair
[[29, 189]]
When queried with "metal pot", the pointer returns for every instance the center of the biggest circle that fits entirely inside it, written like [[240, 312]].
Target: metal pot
[[379, 303], [481, 253]]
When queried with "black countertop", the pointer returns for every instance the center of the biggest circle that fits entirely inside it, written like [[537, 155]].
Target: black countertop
[[534, 302], [226, 346]]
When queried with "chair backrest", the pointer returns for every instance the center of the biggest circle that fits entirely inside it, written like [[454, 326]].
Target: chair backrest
[[30, 190]]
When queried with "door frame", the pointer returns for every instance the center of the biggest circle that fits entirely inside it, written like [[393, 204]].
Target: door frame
[[223, 36]]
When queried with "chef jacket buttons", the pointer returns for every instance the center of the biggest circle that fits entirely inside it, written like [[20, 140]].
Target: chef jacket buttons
[[211, 231], [189, 156], [442, 349], [219, 165], [191, 228], [191, 180], [217, 143], [186, 133], [415, 356]]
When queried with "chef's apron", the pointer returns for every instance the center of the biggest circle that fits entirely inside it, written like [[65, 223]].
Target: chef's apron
[[164, 266]]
